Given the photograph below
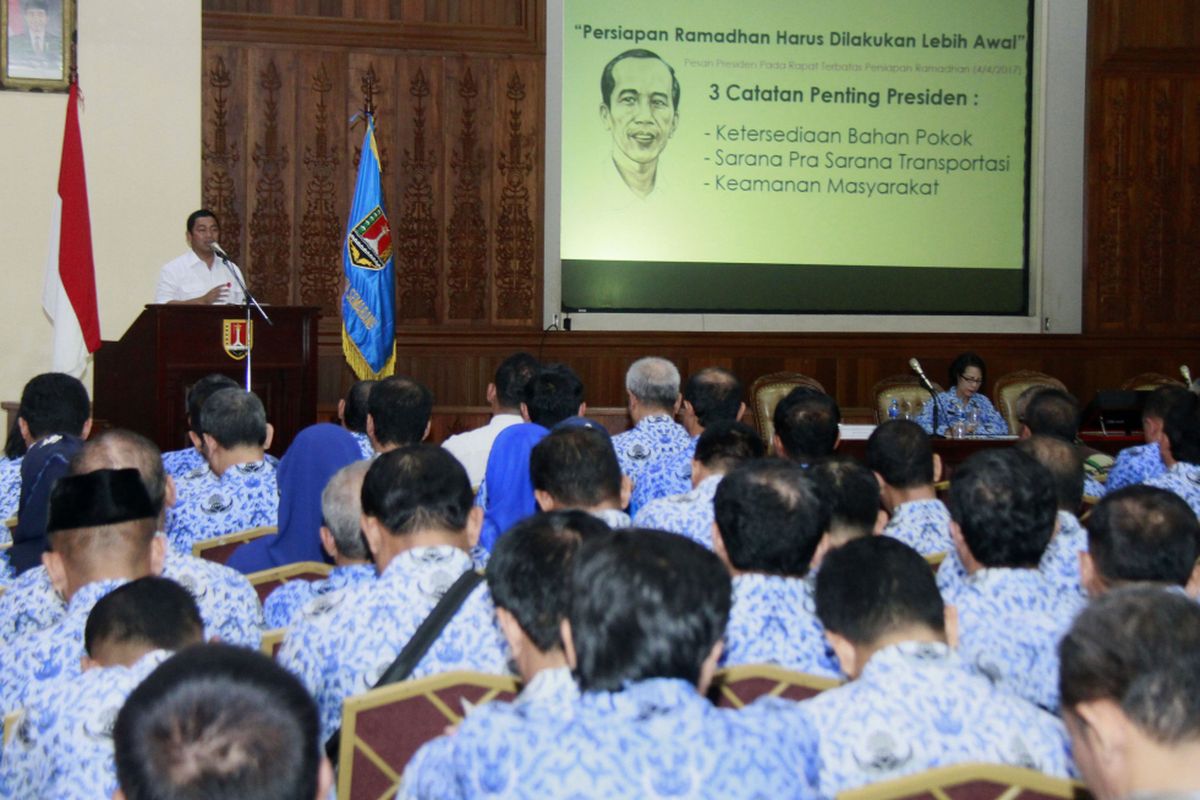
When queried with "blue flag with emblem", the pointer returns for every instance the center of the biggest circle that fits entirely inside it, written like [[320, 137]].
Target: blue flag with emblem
[[369, 301]]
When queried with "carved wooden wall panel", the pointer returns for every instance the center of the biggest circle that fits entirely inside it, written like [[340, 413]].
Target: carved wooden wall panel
[[1143, 162]]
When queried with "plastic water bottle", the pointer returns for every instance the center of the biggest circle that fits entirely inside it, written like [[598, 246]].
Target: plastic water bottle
[[894, 409]]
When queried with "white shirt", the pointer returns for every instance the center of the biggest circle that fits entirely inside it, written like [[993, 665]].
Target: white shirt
[[188, 277], [471, 448]]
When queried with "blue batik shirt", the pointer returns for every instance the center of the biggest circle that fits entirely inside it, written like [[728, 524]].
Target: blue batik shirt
[[774, 621], [658, 738], [1184, 480], [63, 745], [30, 604], [10, 490], [244, 496], [50, 654], [915, 707], [1059, 563], [1135, 465], [951, 410], [923, 525], [227, 601], [645, 454], [341, 647], [689, 514], [1010, 622], [551, 692], [364, 444], [284, 605], [178, 463]]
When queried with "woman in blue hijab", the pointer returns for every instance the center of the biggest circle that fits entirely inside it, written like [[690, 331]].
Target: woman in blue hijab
[[317, 452]]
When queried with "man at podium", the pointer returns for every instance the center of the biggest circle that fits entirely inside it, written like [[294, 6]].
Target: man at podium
[[199, 276]]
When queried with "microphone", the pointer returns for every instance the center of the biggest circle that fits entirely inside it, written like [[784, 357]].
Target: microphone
[[216, 248], [1186, 373], [915, 366]]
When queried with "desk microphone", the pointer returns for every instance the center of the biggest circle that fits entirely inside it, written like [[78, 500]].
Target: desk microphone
[[915, 366]]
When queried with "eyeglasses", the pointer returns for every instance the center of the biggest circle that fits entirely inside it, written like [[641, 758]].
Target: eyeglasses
[[974, 381]]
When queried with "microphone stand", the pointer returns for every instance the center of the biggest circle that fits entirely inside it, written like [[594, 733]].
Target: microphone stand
[[250, 302]]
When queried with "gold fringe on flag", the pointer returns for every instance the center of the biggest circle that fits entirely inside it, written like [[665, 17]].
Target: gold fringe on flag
[[362, 369]]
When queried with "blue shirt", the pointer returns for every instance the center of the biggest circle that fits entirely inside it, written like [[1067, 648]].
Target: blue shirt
[[951, 410], [646, 453], [1184, 480], [45, 462], [344, 641], [1136, 464], [656, 738], [178, 463], [689, 514], [923, 525], [1010, 622], [10, 489], [63, 746], [50, 654], [774, 621], [30, 604], [283, 605], [364, 444], [915, 707], [244, 496]]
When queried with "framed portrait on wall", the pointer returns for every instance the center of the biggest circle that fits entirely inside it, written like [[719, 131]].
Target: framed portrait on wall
[[36, 50]]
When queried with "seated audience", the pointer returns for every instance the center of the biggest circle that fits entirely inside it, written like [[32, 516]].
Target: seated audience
[[1140, 534], [342, 538], [529, 575], [1002, 509], [769, 521], [1060, 561], [55, 417], [504, 394], [575, 468], [850, 493], [910, 704], [399, 411], [656, 440], [902, 458], [418, 519], [314, 456], [238, 490], [964, 402], [643, 635], [552, 395], [1179, 443], [60, 749], [178, 463], [1144, 461], [220, 723], [721, 447], [101, 531], [711, 395], [1131, 703], [806, 426], [1055, 413], [352, 413]]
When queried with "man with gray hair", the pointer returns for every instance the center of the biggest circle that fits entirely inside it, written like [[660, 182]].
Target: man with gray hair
[[647, 451], [342, 538]]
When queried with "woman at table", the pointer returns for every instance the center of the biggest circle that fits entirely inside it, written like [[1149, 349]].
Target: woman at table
[[964, 403]]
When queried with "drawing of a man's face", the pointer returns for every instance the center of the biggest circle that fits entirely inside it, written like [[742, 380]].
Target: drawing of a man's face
[[640, 113]]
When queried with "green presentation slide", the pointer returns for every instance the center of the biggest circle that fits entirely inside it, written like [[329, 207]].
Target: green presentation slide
[[764, 156]]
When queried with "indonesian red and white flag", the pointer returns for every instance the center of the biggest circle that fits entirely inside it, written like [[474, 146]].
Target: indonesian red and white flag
[[69, 293]]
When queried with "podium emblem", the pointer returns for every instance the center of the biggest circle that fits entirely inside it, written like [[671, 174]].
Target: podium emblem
[[370, 242], [237, 337]]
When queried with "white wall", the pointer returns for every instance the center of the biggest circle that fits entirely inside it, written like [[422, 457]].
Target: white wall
[[139, 71]]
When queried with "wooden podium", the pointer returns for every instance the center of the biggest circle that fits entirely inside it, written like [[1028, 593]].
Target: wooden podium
[[142, 380]]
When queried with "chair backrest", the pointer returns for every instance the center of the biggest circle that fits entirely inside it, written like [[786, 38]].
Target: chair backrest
[[272, 640], [220, 548], [268, 580], [1149, 381], [11, 720], [767, 391], [935, 560], [972, 782], [1009, 387], [905, 388], [383, 728], [734, 687]]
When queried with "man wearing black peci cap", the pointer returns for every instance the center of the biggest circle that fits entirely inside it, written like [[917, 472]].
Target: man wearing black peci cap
[[101, 532]]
